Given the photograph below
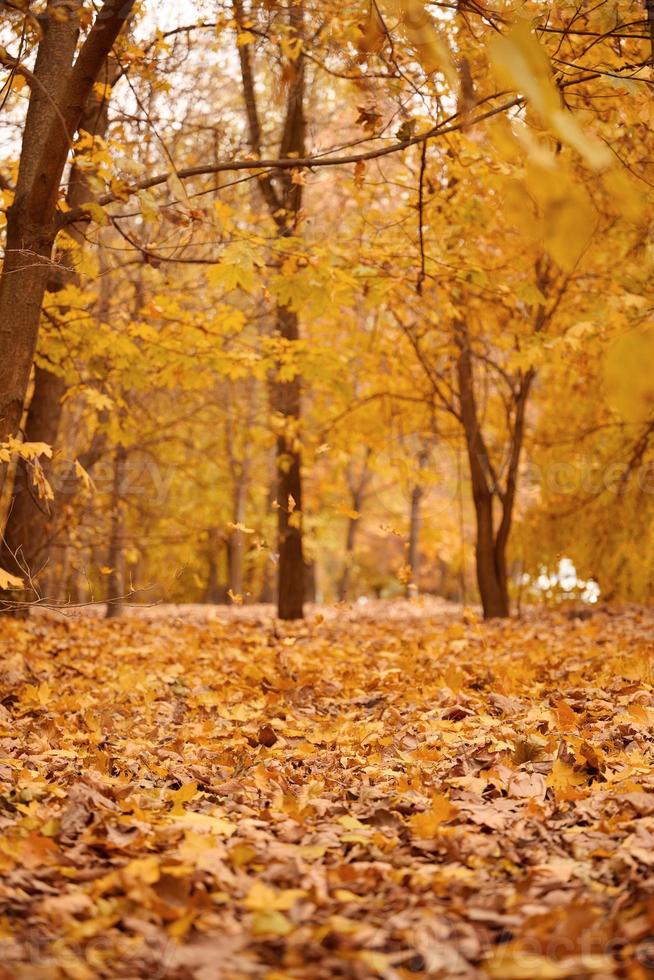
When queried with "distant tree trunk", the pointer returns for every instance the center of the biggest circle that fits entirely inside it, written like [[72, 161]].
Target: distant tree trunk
[[57, 101], [415, 526], [346, 574], [216, 593], [115, 554], [237, 537], [357, 485], [310, 582]]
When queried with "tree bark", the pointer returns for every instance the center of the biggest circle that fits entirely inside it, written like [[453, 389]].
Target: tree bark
[[56, 106], [283, 198], [286, 405], [490, 557], [30, 520]]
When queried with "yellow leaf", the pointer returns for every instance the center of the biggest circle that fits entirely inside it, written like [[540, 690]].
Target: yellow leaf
[[205, 823], [291, 47], [513, 964], [628, 375], [429, 44], [378, 963], [427, 825], [569, 225], [84, 476], [522, 62], [567, 719], [141, 871], [351, 823], [97, 212], [184, 794], [8, 581], [263, 898], [563, 780], [271, 923]]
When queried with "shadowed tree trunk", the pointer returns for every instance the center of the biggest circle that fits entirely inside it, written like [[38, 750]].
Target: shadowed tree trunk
[[286, 403]]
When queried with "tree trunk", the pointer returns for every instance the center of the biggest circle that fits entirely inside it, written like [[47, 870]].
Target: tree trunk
[[490, 560], [493, 588], [237, 537], [415, 525], [283, 196], [216, 592], [286, 403], [30, 519], [115, 555], [57, 101], [346, 575]]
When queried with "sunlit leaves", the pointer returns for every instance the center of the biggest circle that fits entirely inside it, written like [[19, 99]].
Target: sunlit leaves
[[522, 61], [628, 375]]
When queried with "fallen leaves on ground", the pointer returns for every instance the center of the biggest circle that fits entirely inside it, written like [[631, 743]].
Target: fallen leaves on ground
[[392, 796]]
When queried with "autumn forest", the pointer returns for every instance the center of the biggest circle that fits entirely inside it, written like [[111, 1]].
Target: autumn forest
[[326, 489]]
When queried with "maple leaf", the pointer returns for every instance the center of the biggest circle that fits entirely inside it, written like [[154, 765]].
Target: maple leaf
[[563, 780], [428, 824]]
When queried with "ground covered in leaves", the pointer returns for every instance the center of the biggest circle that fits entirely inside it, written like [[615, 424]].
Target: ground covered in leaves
[[390, 795]]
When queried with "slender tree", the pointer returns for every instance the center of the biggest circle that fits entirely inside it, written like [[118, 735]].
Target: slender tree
[[283, 197]]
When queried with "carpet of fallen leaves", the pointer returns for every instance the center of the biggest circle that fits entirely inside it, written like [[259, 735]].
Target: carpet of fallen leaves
[[390, 795]]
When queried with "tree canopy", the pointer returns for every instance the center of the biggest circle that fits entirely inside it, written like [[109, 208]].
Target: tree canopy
[[304, 300]]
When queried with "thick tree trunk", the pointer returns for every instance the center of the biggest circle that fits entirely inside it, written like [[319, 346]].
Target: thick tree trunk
[[30, 519], [56, 106]]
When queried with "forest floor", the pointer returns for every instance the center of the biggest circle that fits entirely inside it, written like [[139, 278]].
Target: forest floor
[[393, 791]]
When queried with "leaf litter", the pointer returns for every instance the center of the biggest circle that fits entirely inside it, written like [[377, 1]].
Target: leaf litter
[[391, 795]]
